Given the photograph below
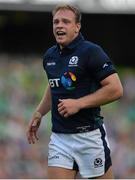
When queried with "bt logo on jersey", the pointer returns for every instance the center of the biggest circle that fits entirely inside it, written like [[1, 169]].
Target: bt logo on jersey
[[67, 80], [54, 82]]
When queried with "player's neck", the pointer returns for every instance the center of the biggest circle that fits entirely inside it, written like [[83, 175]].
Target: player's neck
[[63, 46]]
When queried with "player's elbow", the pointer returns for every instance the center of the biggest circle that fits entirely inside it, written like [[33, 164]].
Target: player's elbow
[[118, 92]]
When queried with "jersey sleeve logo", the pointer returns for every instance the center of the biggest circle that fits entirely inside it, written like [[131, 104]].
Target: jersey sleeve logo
[[73, 61], [105, 65]]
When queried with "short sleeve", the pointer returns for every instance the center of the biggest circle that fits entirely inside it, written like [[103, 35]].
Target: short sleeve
[[99, 64], [45, 58]]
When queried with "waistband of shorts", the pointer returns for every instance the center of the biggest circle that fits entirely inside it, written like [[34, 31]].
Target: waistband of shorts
[[81, 129]]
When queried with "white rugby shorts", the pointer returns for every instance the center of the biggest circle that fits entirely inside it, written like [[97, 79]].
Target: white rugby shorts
[[87, 152]]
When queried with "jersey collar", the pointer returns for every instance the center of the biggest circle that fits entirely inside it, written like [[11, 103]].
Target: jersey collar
[[74, 43]]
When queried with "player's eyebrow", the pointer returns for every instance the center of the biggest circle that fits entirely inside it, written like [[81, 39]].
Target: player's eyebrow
[[63, 19]]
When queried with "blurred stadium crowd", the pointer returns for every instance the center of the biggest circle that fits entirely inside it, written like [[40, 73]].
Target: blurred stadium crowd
[[22, 83]]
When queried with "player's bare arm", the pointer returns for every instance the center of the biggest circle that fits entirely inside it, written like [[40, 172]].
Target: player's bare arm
[[110, 91], [45, 104], [42, 109]]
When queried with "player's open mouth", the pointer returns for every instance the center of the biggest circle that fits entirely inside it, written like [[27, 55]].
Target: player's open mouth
[[60, 33]]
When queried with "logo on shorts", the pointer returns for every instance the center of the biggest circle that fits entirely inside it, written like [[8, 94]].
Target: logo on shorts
[[53, 157], [56, 157], [98, 162]]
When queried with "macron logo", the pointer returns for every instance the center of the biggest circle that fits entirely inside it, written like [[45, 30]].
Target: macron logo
[[51, 63]]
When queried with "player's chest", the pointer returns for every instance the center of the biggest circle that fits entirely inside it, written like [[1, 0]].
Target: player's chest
[[71, 64]]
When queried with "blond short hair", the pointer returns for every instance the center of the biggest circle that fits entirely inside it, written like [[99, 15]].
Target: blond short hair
[[75, 10]]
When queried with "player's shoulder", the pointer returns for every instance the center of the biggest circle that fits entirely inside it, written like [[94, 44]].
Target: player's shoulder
[[50, 51], [92, 48], [91, 45]]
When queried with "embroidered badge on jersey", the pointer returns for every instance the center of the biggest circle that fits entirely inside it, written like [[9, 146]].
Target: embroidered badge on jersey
[[73, 61]]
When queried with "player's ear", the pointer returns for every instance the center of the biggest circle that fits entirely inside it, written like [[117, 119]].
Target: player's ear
[[78, 27]]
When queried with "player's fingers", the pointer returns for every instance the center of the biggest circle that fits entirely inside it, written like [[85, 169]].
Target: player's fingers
[[63, 112], [60, 100], [30, 138], [61, 108], [60, 105], [31, 135], [66, 115], [35, 135]]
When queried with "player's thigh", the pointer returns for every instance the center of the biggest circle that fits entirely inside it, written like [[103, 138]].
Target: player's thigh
[[107, 175], [61, 173]]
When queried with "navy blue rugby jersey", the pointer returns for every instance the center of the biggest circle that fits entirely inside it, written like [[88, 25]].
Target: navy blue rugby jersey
[[73, 72]]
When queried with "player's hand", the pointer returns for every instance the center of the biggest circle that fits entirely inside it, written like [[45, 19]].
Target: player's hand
[[32, 130], [68, 107]]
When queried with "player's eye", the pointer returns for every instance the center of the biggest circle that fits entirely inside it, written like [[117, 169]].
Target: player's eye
[[66, 21], [55, 22]]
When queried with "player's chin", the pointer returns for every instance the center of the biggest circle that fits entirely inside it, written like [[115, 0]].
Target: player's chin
[[61, 42]]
